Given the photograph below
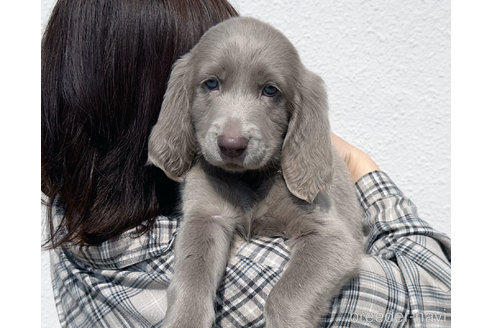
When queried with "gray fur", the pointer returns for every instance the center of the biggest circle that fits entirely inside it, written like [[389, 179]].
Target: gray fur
[[290, 181]]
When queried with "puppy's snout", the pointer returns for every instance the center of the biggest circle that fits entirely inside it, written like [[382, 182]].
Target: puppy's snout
[[231, 141], [232, 146]]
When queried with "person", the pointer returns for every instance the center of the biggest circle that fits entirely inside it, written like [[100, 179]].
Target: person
[[113, 219]]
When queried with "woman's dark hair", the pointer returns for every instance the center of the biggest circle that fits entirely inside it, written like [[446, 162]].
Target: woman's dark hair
[[105, 66]]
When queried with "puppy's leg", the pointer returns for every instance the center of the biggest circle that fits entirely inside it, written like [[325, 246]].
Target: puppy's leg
[[322, 260], [201, 253], [202, 248]]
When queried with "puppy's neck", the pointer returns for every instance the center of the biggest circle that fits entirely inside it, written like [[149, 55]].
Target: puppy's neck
[[252, 178]]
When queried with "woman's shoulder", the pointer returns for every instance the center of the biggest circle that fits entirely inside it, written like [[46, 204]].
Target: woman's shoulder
[[128, 249]]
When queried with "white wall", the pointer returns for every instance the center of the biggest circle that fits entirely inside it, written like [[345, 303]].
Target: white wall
[[386, 65]]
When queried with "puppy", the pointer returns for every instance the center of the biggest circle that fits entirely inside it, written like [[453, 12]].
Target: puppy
[[244, 124]]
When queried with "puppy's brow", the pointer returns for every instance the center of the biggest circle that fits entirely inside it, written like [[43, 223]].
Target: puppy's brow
[[270, 78], [218, 71], [269, 72]]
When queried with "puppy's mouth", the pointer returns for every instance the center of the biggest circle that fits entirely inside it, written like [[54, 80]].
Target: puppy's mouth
[[235, 155], [234, 164]]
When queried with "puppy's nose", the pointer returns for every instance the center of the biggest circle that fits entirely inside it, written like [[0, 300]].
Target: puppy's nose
[[232, 146]]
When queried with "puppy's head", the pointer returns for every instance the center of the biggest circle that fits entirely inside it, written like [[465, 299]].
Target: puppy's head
[[243, 100]]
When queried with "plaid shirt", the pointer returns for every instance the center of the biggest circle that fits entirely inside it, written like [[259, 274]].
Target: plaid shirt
[[404, 280]]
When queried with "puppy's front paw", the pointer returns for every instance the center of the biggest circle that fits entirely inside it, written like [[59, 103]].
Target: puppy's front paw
[[189, 315], [281, 312]]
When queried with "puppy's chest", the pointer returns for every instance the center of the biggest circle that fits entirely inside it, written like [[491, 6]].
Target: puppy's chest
[[269, 209]]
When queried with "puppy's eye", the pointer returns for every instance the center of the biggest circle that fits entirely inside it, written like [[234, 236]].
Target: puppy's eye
[[212, 84], [270, 91]]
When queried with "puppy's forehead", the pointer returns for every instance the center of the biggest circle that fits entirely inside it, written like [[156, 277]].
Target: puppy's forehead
[[247, 42]]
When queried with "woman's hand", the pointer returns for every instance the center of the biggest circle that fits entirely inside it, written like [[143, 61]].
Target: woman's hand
[[358, 162]]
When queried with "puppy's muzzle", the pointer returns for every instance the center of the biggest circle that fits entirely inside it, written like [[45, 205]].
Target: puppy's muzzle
[[232, 146]]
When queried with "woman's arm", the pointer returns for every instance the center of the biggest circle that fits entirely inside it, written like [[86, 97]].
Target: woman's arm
[[389, 214], [415, 257]]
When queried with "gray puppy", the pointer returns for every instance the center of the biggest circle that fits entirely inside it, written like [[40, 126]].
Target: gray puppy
[[245, 125]]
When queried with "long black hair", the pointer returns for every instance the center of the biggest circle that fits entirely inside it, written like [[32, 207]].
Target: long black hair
[[105, 65]]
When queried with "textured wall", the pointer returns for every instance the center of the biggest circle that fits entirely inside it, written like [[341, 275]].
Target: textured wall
[[386, 65]]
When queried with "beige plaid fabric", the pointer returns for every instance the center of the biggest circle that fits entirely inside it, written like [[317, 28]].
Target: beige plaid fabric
[[404, 281]]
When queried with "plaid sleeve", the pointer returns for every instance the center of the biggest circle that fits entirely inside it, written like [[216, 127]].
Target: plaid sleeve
[[409, 262], [395, 226]]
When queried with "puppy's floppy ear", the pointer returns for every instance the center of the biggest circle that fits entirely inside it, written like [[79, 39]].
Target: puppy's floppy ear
[[171, 142], [307, 162]]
